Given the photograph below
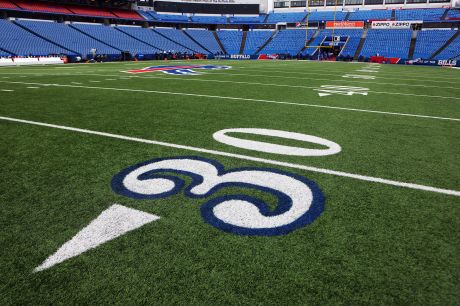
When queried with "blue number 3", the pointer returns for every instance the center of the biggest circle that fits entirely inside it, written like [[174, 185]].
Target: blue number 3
[[300, 201]]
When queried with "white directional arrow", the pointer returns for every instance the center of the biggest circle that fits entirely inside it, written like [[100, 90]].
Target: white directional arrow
[[321, 94], [114, 222]]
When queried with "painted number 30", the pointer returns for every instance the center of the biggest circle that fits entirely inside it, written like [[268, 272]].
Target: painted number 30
[[300, 201]]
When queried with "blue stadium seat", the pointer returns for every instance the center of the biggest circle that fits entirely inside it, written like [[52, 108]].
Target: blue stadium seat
[[388, 43], [16, 40], [146, 15], [287, 41], [286, 17], [363, 15], [170, 17], [205, 38], [453, 14], [247, 19], [153, 38], [209, 19], [4, 53], [231, 40], [255, 40], [326, 16], [451, 51], [115, 38], [429, 41], [429, 14], [68, 37], [179, 37]]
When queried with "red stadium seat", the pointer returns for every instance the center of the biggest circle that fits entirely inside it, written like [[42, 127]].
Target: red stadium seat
[[42, 7], [8, 5], [91, 11], [127, 14]]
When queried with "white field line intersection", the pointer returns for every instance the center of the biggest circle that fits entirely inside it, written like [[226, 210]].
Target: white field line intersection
[[243, 157], [238, 99], [375, 82]]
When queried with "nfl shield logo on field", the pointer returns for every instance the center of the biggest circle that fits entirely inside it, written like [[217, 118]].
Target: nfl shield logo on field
[[178, 69]]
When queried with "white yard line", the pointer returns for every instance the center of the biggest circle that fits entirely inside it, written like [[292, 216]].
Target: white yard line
[[6, 90], [240, 99], [243, 157]]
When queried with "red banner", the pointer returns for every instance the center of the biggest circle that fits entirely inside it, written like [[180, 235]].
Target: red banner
[[344, 24]]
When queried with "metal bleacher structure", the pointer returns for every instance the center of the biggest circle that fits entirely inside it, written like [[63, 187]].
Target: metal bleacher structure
[[114, 30]]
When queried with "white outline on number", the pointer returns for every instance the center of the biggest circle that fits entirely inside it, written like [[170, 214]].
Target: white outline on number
[[332, 147]]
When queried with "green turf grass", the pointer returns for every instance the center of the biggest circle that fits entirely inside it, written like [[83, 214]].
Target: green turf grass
[[373, 244]]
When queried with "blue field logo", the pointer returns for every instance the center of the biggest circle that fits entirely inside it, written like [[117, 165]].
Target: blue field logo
[[179, 69]]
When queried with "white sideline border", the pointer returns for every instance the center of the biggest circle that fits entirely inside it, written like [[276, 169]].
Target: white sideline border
[[238, 98], [243, 157]]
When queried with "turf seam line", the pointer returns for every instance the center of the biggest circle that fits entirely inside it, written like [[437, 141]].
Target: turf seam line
[[241, 99], [243, 157]]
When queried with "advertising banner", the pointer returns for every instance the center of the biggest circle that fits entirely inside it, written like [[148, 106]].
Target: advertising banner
[[345, 24], [419, 61], [394, 24]]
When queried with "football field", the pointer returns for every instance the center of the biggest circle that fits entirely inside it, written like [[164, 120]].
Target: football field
[[230, 182]]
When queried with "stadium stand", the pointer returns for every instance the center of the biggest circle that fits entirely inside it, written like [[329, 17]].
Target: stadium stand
[[114, 38], [153, 38], [287, 42], [451, 51], [146, 15], [247, 19], [350, 47], [170, 17], [67, 37], [179, 37], [18, 41], [205, 38], [364, 15], [209, 19], [453, 14], [45, 7], [124, 14], [429, 41], [326, 16], [8, 5], [428, 14], [286, 17], [255, 40], [42, 7], [388, 43], [231, 40]]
